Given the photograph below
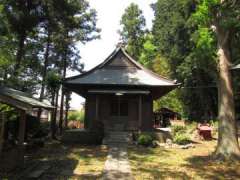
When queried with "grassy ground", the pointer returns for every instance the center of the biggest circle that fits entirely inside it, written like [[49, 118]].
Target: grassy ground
[[64, 162], [194, 163], [74, 162]]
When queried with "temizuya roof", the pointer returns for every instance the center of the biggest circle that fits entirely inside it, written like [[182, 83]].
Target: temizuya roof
[[20, 99], [119, 69]]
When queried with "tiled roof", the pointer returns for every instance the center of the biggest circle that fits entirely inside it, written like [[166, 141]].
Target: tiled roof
[[120, 69]]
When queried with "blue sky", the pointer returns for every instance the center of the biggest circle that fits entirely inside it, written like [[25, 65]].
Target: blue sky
[[109, 13]]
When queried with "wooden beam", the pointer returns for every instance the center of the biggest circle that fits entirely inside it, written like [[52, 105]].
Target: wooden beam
[[2, 124], [140, 113], [22, 127]]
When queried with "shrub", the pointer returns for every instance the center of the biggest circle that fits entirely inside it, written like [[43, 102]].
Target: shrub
[[76, 116], [214, 123], [178, 129], [191, 127], [144, 139], [181, 138]]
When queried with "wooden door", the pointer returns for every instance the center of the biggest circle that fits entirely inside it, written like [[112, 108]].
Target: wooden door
[[119, 112]]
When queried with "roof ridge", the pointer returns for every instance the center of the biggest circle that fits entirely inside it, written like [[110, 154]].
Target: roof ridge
[[131, 59]]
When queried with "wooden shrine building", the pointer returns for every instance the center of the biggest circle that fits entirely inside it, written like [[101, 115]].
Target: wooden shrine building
[[119, 93]]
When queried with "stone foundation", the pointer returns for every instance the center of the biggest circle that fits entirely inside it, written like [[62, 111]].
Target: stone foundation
[[80, 136]]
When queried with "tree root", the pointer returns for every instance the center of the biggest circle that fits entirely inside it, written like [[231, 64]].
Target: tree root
[[224, 157]]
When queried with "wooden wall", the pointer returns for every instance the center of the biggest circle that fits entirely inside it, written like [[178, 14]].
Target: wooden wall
[[147, 113], [104, 108]]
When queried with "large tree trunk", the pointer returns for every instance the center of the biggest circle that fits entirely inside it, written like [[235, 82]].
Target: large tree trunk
[[68, 95], [62, 97], [61, 112], [66, 118], [44, 73], [227, 146], [53, 119], [54, 113], [20, 53]]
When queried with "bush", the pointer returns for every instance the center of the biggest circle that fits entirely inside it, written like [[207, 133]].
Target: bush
[[181, 134], [144, 139], [191, 127], [214, 123], [178, 129], [76, 116], [181, 139]]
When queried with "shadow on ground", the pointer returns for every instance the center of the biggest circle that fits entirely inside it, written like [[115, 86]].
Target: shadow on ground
[[208, 168], [145, 165], [193, 163], [57, 161]]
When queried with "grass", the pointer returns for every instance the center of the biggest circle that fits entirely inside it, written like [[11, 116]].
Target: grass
[[66, 162], [75, 161], [194, 163]]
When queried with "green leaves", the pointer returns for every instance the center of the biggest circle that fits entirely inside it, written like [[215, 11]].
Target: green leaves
[[76, 116], [33, 32], [205, 38], [189, 49], [225, 13], [148, 53], [205, 10], [172, 101], [53, 81], [133, 29]]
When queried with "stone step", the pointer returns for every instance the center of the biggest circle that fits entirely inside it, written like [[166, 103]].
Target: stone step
[[117, 140], [118, 136], [117, 132], [114, 137], [108, 142], [36, 173]]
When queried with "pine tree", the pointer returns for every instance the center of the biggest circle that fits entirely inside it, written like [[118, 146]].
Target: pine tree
[[133, 30]]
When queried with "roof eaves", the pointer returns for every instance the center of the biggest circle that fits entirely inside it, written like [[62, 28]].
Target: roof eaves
[[145, 69], [110, 57], [96, 67]]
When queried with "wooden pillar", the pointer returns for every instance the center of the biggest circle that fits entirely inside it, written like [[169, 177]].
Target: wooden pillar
[[97, 108], [140, 112], [21, 135], [86, 125], [22, 127], [151, 111], [2, 124]]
